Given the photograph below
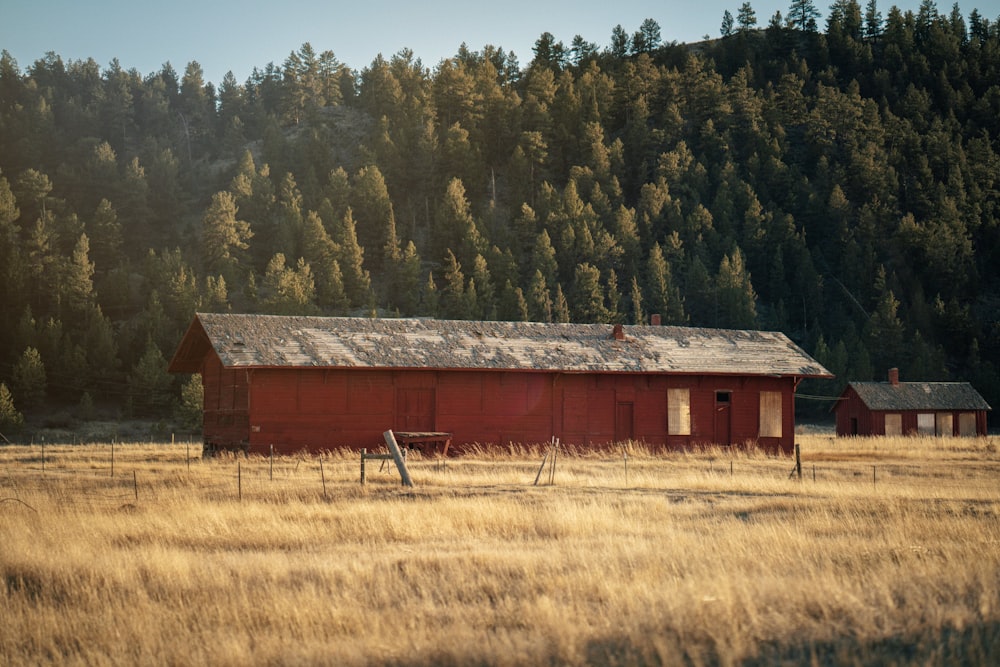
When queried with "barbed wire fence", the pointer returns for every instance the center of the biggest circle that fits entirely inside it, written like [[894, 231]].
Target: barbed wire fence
[[122, 475]]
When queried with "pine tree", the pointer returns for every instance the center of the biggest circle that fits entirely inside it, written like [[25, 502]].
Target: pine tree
[[376, 219], [321, 254], [224, 237], [405, 293], [746, 18], [289, 290], [11, 419], [539, 299], [873, 20], [884, 332], [40, 263], [543, 258], [149, 381], [513, 304], [79, 279], [190, 409], [486, 298], [105, 237], [662, 296], [11, 264], [215, 297], [619, 45], [454, 298], [726, 29], [101, 348], [456, 227], [737, 299], [614, 298], [28, 379], [587, 303], [560, 306], [638, 315], [802, 14], [430, 300], [700, 295], [357, 280]]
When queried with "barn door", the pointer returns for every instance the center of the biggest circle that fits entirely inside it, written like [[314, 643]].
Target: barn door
[[723, 417], [624, 421], [414, 409]]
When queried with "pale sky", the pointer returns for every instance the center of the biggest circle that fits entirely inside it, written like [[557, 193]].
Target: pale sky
[[238, 36]]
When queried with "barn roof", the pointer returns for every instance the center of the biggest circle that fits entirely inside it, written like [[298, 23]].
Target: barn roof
[[269, 341], [919, 396]]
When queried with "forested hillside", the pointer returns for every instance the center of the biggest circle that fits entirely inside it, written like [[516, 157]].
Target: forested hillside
[[834, 177]]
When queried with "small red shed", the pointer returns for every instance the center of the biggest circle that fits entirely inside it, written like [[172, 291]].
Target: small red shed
[[910, 408], [325, 382]]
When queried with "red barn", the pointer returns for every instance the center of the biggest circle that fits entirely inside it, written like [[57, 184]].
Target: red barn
[[910, 408], [319, 383]]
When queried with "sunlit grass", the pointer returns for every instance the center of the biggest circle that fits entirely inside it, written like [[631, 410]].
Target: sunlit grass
[[884, 551]]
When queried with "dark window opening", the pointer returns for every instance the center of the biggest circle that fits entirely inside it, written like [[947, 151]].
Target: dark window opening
[[722, 397]]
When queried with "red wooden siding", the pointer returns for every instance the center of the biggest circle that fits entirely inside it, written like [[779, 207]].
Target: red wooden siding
[[301, 408], [226, 408]]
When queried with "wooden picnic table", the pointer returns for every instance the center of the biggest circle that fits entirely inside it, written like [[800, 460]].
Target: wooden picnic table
[[410, 438]]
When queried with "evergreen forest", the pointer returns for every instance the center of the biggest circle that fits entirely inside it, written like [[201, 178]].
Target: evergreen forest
[[834, 176]]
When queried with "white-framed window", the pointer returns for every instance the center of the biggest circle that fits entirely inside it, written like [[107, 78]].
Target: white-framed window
[[893, 423], [770, 414], [679, 411]]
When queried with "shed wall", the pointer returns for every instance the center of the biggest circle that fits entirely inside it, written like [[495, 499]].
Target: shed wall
[[316, 409], [854, 418], [226, 420]]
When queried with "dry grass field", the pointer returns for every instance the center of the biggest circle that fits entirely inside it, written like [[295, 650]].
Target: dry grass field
[[885, 552]]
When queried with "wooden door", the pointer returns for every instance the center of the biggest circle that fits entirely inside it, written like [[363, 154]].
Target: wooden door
[[723, 417], [414, 409], [624, 421]]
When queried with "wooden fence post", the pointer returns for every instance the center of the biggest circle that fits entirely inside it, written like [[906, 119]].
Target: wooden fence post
[[322, 474], [542, 467], [363, 453], [552, 467], [397, 455], [239, 481]]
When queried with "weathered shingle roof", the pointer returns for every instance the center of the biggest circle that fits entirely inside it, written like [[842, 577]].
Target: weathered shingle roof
[[255, 341], [919, 396]]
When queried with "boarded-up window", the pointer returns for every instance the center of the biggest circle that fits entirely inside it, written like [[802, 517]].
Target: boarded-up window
[[894, 424], [679, 411], [925, 423], [967, 424], [770, 414], [945, 424]]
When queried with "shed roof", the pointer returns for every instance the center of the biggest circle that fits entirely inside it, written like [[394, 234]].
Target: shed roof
[[269, 341], [919, 396]]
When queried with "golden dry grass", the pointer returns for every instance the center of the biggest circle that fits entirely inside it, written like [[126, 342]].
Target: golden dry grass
[[701, 558]]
